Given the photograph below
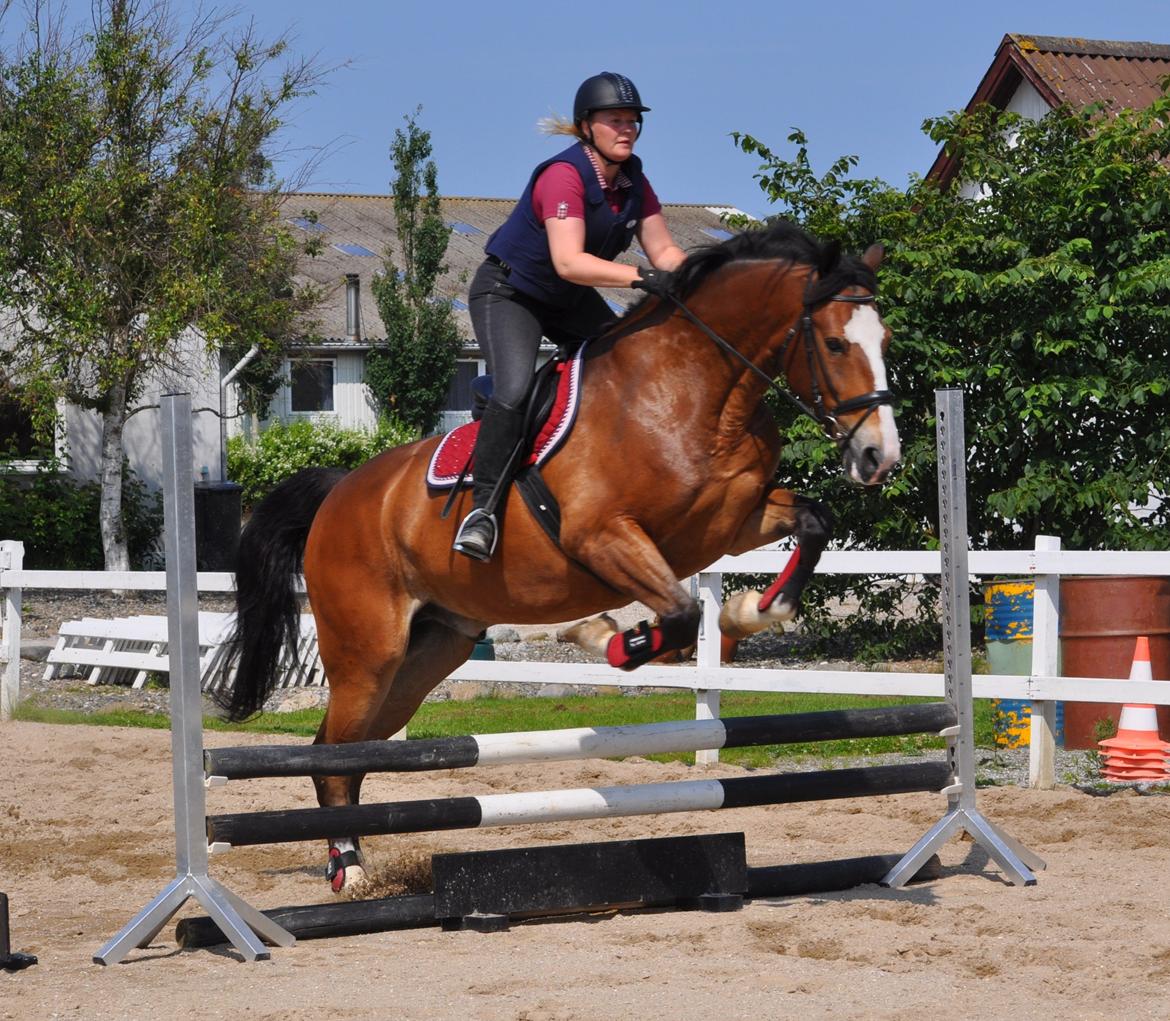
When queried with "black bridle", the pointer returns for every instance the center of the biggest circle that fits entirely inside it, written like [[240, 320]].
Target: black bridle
[[819, 413]]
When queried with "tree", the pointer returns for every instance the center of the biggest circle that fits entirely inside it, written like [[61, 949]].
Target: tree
[[1041, 288], [138, 205], [409, 372]]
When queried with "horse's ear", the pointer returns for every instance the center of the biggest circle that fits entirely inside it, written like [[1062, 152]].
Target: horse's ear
[[830, 256], [873, 256]]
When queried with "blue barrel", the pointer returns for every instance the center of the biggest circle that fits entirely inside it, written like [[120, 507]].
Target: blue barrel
[[1007, 615]]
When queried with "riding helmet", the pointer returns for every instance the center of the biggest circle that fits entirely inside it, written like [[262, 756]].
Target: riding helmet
[[606, 91]]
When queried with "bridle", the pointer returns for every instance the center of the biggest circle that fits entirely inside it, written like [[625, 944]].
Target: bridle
[[828, 419]]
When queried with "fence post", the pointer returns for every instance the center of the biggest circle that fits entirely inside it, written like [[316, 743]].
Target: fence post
[[707, 654], [1045, 663], [11, 559]]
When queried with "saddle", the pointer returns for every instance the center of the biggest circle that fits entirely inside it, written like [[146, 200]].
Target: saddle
[[549, 416]]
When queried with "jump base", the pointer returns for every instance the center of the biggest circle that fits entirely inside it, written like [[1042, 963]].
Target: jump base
[[416, 911]]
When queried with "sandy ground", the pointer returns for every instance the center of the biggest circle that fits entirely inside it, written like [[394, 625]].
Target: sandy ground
[[86, 841]]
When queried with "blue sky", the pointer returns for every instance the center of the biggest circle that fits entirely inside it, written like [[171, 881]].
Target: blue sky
[[857, 77]]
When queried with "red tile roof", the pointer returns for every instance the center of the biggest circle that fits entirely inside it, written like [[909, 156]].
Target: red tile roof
[[1069, 70]]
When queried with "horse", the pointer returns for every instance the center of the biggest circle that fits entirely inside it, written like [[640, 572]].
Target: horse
[[668, 467]]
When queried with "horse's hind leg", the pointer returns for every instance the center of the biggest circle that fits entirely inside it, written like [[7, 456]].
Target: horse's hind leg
[[362, 638], [781, 513], [432, 652]]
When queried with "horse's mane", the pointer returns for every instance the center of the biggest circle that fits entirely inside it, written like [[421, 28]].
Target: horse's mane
[[781, 241]]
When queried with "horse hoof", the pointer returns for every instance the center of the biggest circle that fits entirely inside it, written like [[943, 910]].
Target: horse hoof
[[739, 617], [350, 878], [592, 635]]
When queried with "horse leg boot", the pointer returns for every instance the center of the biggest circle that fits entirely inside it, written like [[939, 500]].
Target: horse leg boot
[[497, 450], [746, 613], [626, 558]]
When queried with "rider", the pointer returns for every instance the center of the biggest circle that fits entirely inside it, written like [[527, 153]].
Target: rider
[[580, 210]]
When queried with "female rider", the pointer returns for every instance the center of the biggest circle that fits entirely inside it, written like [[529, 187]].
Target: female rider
[[582, 208]]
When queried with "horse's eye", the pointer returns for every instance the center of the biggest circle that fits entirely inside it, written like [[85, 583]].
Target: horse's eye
[[835, 344]]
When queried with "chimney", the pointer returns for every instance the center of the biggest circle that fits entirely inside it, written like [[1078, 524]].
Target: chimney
[[353, 308]]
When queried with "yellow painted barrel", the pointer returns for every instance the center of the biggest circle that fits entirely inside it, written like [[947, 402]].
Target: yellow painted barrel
[[1007, 616]]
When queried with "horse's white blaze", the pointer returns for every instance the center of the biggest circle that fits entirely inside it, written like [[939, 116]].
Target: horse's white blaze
[[865, 329]]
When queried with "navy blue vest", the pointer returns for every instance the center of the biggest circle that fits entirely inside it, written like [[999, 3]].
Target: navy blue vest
[[522, 242]]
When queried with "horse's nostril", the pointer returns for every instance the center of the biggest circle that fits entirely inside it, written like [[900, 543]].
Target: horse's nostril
[[871, 460]]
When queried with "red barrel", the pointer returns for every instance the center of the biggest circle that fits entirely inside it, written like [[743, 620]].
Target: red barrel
[[1100, 619]]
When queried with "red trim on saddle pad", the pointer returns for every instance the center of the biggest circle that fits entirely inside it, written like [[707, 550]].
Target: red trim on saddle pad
[[456, 447]]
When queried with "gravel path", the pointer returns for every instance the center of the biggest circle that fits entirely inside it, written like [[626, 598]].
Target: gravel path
[[43, 613]]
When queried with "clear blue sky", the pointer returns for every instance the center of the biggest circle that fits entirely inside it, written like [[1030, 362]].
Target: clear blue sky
[[858, 77]]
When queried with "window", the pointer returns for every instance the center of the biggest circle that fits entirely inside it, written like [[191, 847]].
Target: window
[[466, 229], [349, 248], [16, 431], [718, 233], [312, 226], [311, 385]]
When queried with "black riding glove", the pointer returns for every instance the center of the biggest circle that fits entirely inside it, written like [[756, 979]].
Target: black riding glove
[[654, 281]]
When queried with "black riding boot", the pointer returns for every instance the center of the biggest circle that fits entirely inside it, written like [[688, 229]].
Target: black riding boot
[[500, 432]]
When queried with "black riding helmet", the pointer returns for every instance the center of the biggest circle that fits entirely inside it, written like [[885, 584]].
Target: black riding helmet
[[606, 91]]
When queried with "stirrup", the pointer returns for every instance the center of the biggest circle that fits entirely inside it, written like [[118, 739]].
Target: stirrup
[[477, 536]]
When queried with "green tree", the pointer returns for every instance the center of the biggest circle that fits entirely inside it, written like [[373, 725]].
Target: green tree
[[138, 208], [1039, 282], [409, 372]]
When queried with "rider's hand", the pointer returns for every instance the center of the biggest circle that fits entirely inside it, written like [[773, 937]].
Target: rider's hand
[[654, 281]]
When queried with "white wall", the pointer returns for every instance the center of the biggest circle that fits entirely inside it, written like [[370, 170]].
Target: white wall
[[196, 374]]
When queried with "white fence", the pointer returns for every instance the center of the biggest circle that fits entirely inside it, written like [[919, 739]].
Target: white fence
[[707, 677]]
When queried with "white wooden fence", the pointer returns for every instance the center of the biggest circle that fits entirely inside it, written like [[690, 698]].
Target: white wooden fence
[[707, 677]]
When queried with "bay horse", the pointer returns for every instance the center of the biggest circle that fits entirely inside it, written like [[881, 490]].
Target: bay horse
[[668, 467]]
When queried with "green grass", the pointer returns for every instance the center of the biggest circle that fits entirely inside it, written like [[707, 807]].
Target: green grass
[[503, 715]]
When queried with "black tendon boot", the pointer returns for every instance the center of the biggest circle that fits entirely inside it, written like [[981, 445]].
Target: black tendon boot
[[496, 453]]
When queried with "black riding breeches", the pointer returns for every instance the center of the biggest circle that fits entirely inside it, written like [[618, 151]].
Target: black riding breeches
[[509, 324]]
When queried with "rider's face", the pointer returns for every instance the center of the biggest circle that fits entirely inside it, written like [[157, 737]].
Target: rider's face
[[615, 132]]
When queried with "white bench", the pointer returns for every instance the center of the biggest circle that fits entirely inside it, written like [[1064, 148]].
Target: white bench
[[127, 650]]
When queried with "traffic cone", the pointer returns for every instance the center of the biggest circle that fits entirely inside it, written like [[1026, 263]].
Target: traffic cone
[[1137, 753]]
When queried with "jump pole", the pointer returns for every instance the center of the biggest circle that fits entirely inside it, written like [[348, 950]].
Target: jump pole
[[238, 920], [429, 815], [246, 763], [962, 815]]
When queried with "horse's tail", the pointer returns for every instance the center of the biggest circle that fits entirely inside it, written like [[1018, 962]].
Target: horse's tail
[[268, 612]]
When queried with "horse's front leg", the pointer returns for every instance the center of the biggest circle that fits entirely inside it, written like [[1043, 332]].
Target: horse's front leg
[[622, 555], [780, 513]]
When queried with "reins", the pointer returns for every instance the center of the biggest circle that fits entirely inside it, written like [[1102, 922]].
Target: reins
[[819, 413]]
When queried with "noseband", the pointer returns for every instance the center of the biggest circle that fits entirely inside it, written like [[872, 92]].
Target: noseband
[[819, 413]]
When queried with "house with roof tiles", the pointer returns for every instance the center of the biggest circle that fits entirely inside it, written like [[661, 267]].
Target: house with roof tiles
[[1033, 74]]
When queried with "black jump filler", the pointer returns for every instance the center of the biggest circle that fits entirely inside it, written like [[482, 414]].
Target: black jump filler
[[8, 960]]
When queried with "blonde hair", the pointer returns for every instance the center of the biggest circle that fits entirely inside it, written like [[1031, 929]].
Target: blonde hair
[[555, 124]]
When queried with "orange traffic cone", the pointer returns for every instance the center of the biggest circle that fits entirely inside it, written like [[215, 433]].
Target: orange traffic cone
[[1137, 753]]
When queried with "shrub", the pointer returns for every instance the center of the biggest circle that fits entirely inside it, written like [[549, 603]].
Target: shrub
[[56, 517], [284, 449]]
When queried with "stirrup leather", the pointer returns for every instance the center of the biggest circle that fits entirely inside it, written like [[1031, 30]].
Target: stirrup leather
[[471, 525]]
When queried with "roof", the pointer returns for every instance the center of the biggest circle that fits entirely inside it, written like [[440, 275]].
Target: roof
[[1072, 71], [367, 222]]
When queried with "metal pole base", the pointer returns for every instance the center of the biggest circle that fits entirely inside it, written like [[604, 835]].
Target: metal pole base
[[236, 918], [1014, 858]]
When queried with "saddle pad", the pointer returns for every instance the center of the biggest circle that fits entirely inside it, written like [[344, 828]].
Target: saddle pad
[[455, 448]]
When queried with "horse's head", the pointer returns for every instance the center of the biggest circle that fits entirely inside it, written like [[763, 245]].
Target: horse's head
[[835, 360]]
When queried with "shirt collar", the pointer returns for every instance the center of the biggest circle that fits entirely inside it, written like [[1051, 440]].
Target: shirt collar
[[621, 181]]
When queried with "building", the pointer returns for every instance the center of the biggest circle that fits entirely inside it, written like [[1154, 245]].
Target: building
[[1033, 74]]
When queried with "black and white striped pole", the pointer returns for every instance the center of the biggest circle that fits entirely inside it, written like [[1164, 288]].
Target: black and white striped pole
[[239, 921], [962, 815]]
